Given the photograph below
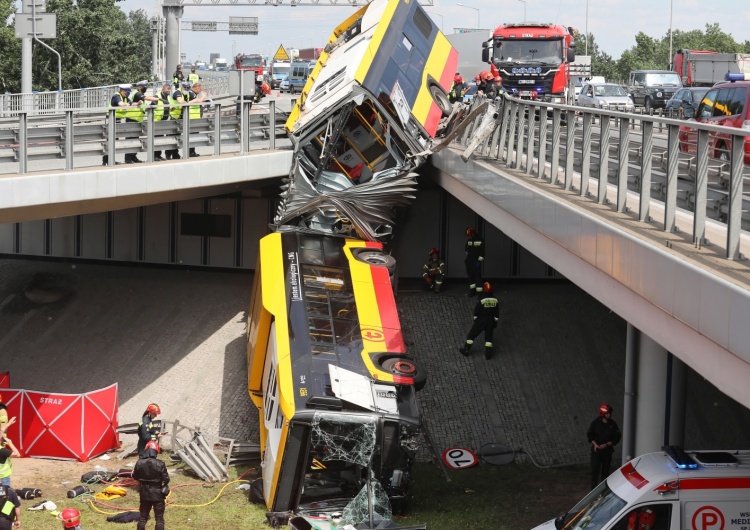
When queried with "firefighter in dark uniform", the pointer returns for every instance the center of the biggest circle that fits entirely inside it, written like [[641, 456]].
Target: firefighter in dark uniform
[[473, 261], [152, 475], [490, 87], [433, 270], [147, 431], [10, 509], [486, 315], [603, 435], [458, 89]]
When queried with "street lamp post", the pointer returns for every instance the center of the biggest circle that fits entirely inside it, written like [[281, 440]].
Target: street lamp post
[[670, 35], [587, 28], [474, 8], [442, 29], [524, 9]]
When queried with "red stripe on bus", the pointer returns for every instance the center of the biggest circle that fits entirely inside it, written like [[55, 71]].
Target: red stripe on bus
[[714, 483], [446, 81], [381, 282], [632, 476]]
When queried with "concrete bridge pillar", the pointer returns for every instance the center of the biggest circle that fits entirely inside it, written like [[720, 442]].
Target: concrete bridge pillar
[[172, 16], [654, 411]]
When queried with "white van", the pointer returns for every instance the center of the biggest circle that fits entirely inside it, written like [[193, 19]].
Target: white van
[[669, 490]]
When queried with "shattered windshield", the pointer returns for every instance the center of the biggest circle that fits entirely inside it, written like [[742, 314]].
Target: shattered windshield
[[529, 51], [594, 510], [341, 450], [341, 446]]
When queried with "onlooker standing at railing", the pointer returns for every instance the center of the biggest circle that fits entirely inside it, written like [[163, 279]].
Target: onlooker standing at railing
[[121, 101]]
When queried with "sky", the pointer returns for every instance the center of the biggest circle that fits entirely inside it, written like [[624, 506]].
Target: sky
[[613, 23]]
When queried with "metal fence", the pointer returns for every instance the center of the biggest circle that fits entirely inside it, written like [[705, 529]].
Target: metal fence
[[654, 157], [217, 86], [82, 137]]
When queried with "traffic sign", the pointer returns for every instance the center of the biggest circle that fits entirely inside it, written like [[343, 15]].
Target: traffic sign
[[203, 25], [243, 25], [30, 5], [281, 54], [44, 25], [459, 458]]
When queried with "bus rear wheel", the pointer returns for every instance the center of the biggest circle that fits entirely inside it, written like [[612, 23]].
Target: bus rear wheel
[[441, 100], [406, 367], [376, 257]]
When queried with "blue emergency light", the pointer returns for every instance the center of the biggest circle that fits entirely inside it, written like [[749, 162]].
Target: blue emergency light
[[681, 459], [736, 77]]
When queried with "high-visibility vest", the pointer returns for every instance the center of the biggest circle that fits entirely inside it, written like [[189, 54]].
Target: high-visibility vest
[[159, 110], [193, 77], [121, 112], [195, 110], [6, 468], [175, 112], [137, 113]]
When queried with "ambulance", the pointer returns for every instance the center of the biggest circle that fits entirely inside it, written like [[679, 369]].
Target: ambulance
[[668, 490]]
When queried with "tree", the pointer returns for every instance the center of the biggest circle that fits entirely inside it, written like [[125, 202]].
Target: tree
[[99, 45], [10, 46]]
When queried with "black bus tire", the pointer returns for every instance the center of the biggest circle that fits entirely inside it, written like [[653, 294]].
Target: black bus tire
[[441, 100]]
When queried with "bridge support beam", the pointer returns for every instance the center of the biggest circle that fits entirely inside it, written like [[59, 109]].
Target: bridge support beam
[[172, 15], [654, 412]]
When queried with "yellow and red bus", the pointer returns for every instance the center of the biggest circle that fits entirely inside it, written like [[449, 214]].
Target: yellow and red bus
[[329, 374], [377, 94]]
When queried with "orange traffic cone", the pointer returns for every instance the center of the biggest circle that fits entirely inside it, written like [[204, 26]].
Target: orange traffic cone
[[278, 93]]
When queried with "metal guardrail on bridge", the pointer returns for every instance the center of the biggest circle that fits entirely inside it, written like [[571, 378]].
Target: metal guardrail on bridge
[[89, 98], [672, 166], [73, 135]]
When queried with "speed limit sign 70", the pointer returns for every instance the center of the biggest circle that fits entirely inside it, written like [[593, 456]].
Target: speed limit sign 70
[[459, 458]]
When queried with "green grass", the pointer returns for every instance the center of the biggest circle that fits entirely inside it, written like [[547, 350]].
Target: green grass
[[517, 496]]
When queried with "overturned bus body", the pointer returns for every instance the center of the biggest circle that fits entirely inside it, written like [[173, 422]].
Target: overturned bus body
[[367, 116], [328, 367], [331, 378]]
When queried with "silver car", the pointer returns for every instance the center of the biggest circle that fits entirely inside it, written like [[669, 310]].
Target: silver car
[[284, 85], [605, 96]]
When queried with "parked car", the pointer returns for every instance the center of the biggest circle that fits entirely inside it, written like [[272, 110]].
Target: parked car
[[727, 105], [688, 97], [284, 85], [605, 96], [653, 88]]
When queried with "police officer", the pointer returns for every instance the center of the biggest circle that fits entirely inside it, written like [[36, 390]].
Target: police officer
[[147, 431], [152, 475], [473, 261], [603, 435], [178, 77], [196, 95], [121, 101], [433, 270], [140, 100], [179, 96], [458, 89], [161, 113], [10, 509], [486, 315], [193, 77]]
